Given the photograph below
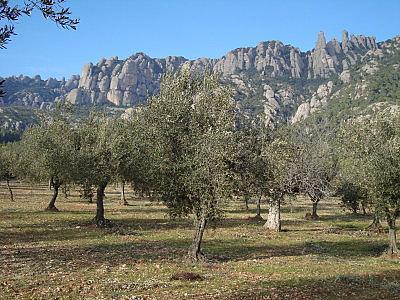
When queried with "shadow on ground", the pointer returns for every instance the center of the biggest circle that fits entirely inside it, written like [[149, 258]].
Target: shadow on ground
[[370, 286], [234, 250]]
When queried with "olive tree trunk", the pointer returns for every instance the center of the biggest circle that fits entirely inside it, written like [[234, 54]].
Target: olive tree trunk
[[314, 214], [10, 190], [376, 223], [246, 201], [56, 183], [195, 253], [258, 210], [364, 212], [274, 215], [99, 219], [355, 209], [123, 199], [391, 220]]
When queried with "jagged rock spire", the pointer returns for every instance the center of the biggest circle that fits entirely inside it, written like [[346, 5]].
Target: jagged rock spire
[[345, 39], [321, 42]]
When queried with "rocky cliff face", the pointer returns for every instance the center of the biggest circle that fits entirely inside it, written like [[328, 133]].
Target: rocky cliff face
[[122, 82], [130, 81], [35, 92], [333, 57], [370, 86], [272, 59], [127, 82], [317, 100], [275, 59], [282, 82]]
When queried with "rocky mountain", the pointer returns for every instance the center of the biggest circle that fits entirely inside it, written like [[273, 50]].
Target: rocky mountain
[[281, 81], [36, 92], [128, 82], [370, 85]]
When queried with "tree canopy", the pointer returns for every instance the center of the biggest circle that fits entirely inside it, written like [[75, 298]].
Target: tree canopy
[[191, 124], [370, 156]]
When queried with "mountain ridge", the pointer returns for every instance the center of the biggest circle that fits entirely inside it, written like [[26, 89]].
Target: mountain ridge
[[132, 80], [276, 80]]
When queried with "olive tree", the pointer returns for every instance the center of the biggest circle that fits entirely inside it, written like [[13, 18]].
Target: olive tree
[[248, 165], [352, 195], [86, 191], [190, 123], [94, 159], [49, 153], [110, 150], [131, 150], [9, 161], [370, 154], [122, 144], [280, 155], [316, 164]]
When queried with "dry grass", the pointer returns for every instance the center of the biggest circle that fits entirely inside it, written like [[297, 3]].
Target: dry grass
[[45, 255]]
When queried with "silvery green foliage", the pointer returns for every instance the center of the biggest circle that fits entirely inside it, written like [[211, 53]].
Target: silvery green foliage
[[316, 163], [94, 154], [9, 157], [370, 156], [49, 150], [132, 151], [190, 126], [249, 166]]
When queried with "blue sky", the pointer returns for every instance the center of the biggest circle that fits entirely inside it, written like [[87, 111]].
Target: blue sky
[[190, 28]]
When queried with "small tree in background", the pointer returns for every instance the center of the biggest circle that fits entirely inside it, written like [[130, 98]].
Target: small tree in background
[[279, 154], [370, 155], [49, 153], [94, 160], [9, 162], [316, 164], [131, 153], [122, 144], [247, 164], [86, 191], [191, 123], [353, 196]]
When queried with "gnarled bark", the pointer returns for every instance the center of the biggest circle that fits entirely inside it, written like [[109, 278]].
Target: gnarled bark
[[56, 183], [195, 253], [314, 214], [392, 235], [99, 219], [123, 199], [376, 223], [274, 215], [10, 190], [258, 210], [246, 201]]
